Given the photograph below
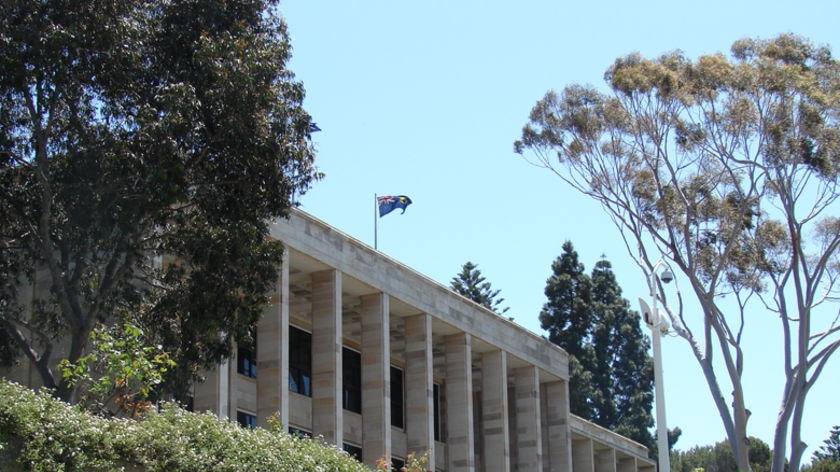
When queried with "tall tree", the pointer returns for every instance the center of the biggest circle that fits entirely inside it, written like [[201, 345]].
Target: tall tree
[[728, 168], [623, 376], [471, 284], [567, 316], [830, 450], [144, 147]]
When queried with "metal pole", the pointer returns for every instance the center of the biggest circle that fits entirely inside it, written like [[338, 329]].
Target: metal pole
[[659, 387], [375, 221]]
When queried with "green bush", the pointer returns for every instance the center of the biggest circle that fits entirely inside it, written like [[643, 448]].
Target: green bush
[[39, 433]]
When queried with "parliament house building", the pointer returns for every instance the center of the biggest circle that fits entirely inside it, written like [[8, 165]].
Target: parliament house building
[[367, 354], [382, 361]]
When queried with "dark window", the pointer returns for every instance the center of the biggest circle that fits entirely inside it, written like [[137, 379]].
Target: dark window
[[300, 361], [246, 420], [397, 395], [396, 464], [436, 407], [246, 359], [354, 451], [352, 384], [301, 433]]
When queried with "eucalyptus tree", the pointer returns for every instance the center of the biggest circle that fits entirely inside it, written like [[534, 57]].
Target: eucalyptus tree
[[145, 145], [727, 167]]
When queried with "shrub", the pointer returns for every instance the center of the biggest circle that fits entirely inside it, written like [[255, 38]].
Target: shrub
[[39, 433]]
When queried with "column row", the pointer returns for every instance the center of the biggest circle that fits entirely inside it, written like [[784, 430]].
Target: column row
[[529, 431]]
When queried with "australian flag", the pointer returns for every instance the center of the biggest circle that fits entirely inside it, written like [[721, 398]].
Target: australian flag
[[389, 203]]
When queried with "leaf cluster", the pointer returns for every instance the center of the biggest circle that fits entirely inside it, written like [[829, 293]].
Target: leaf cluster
[[121, 371]]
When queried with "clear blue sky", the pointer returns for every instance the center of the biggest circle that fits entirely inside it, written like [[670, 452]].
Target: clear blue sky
[[426, 99]]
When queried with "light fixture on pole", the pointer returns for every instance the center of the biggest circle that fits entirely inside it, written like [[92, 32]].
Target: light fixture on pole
[[658, 326]]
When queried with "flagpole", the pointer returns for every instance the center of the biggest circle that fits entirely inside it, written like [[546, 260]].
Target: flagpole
[[375, 224]]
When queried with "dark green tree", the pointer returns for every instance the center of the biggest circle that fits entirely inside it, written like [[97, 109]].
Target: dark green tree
[[567, 317], [829, 452], [145, 145], [471, 284], [623, 376]]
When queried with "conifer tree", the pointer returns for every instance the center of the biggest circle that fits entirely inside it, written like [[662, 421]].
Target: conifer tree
[[567, 318], [471, 284], [623, 375], [610, 371]]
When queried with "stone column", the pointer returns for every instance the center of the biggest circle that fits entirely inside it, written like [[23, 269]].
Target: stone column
[[419, 386], [605, 460], [327, 412], [460, 438], [494, 412], [224, 391], [273, 352], [376, 377], [583, 455], [627, 464], [528, 422], [558, 432]]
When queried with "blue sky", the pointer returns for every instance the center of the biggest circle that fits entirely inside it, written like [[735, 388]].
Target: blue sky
[[426, 99]]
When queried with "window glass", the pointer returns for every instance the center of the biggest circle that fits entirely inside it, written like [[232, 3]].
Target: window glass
[[352, 384], [397, 398], [353, 450], [300, 361], [436, 406], [246, 419], [246, 361], [301, 433]]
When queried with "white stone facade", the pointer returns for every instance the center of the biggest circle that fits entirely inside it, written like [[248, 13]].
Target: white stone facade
[[479, 393]]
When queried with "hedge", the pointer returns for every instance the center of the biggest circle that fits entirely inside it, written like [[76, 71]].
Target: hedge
[[40, 433]]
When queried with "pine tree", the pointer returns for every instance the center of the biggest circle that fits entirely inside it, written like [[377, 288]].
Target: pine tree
[[610, 371], [471, 284], [567, 318], [830, 450], [624, 371]]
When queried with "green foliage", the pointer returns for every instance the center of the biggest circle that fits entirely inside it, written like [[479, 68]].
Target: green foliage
[[719, 458], [43, 434], [121, 371], [623, 378], [567, 317], [144, 147], [610, 372], [471, 284], [830, 450], [827, 458]]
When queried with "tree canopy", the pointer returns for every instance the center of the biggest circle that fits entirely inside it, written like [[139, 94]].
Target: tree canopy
[[726, 168], [471, 284], [719, 458], [610, 371], [145, 145]]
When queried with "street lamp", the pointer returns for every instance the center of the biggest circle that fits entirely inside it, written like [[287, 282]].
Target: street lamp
[[658, 326]]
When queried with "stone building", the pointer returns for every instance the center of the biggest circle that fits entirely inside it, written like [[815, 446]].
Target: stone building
[[373, 356]]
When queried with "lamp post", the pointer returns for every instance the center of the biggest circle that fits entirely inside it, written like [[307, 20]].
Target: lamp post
[[658, 326]]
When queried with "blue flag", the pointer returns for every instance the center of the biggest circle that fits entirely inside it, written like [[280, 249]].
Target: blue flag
[[389, 203]]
